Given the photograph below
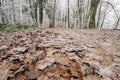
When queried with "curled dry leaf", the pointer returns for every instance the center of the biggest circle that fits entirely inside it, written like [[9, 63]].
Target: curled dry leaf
[[43, 64], [3, 47], [20, 49], [61, 58]]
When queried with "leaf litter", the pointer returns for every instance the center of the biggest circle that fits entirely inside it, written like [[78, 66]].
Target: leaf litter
[[51, 55]]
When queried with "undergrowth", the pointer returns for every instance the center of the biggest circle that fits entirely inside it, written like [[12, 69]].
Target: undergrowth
[[14, 28]]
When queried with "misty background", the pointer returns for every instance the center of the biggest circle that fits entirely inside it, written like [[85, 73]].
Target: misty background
[[23, 12]]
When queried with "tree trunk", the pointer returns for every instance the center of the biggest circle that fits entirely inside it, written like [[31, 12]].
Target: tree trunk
[[117, 23], [41, 12], [80, 13], [3, 15], [104, 15], [54, 13], [68, 14], [99, 14], [51, 23], [93, 10]]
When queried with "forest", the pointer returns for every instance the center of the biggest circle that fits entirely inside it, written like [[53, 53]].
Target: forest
[[59, 40], [82, 14]]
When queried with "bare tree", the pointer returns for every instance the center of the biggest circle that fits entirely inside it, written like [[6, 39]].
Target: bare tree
[[3, 15], [93, 10], [51, 12], [117, 23], [99, 13], [104, 16], [105, 12], [68, 13], [39, 6], [80, 2]]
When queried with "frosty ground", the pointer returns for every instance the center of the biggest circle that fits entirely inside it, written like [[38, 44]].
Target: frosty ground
[[60, 54]]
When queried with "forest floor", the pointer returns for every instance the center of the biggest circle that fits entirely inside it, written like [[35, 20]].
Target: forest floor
[[60, 54]]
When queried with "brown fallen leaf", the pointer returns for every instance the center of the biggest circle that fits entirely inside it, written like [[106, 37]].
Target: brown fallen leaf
[[20, 49], [32, 73], [21, 69], [106, 78], [58, 71], [4, 74], [46, 62], [43, 64], [50, 74], [50, 57], [4, 69], [61, 58], [16, 57], [6, 56], [66, 75], [3, 47], [91, 77], [75, 73], [43, 77]]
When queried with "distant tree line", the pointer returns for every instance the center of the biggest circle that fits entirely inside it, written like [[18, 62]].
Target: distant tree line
[[83, 15]]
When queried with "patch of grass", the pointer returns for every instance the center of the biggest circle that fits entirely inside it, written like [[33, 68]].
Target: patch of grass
[[14, 28], [2, 27]]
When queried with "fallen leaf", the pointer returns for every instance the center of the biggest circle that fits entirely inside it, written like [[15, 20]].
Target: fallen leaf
[[75, 73], [43, 64], [20, 49], [61, 58], [43, 77], [3, 47]]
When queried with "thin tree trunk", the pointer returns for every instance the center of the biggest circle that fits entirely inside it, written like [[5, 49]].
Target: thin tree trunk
[[41, 13], [80, 13], [68, 14], [99, 14], [87, 16], [54, 13], [38, 16], [3, 15], [116, 25], [104, 17], [21, 12]]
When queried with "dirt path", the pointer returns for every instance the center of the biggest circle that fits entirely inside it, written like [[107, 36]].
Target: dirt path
[[60, 54]]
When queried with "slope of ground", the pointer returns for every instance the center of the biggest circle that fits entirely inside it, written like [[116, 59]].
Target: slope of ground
[[60, 54]]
